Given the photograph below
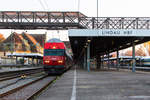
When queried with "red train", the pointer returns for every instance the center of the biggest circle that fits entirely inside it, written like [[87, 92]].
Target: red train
[[56, 59]]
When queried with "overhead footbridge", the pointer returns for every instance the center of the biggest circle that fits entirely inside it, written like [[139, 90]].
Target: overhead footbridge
[[40, 20]]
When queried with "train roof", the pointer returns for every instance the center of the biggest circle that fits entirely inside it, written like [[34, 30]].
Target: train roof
[[54, 40]]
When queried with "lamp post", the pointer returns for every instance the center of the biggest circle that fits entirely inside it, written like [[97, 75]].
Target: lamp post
[[97, 8], [78, 5]]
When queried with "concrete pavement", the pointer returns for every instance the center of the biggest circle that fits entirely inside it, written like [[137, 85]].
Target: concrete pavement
[[99, 85]]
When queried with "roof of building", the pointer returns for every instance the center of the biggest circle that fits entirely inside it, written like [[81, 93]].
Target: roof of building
[[1, 38], [24, 42]]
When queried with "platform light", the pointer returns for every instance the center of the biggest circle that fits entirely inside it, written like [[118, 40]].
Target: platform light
[[120, 46], [85, 46], [88, 40], [128, 43], [136, 40]]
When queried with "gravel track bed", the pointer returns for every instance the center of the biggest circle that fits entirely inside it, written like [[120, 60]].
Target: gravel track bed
[[28, 91], [8, 85]]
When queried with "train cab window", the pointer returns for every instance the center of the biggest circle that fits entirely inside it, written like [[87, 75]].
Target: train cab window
[[56, 52]]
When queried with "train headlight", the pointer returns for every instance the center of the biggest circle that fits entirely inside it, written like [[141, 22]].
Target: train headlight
[[60, 61], [54, 47], [46, 61]]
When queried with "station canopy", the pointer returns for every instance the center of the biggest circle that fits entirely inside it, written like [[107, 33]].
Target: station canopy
[[105, 41], [27, 55]]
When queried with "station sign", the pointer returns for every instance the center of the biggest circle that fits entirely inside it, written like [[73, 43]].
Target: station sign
[[109, 32]]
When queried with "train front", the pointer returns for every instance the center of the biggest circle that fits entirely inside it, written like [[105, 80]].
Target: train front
[[54, 56]]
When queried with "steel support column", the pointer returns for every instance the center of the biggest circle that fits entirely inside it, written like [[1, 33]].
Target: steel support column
[[98, 62], [102, 62], [118, 60], [23, 60], [37, 61], [32, 61], [88, 57], [85, 59], [16, 60], [28, 60], [108, 61], [133, 57]]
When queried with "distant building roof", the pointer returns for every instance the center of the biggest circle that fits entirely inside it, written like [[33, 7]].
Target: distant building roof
[[23, 43], [1, 38], [40, 38]]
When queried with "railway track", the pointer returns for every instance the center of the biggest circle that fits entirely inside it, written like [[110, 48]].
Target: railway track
[[29, 90], [15, 74], [31, 86]]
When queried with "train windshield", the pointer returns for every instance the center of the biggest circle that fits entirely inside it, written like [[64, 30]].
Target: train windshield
[[54, 52]]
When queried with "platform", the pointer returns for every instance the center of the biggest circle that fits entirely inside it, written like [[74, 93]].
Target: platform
[[11, 69], [99, 85]]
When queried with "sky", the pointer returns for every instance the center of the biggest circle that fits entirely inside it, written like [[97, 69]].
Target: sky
[[107, 8]]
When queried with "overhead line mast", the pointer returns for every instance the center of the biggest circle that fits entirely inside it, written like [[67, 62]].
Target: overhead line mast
[[78, 5], [42, 4], [46, 4]]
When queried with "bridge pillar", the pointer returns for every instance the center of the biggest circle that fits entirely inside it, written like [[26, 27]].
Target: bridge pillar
[[133, 57], [118, 65], [88, 57]]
